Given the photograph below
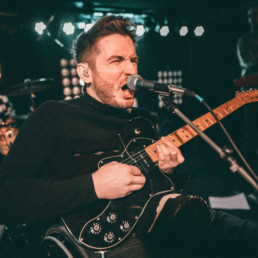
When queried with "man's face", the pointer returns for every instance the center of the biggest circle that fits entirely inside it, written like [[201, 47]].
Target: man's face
[[253, 17], [115, 60]]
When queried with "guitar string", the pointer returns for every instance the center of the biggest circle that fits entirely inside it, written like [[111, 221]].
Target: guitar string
[[136, 157], [141, 154]]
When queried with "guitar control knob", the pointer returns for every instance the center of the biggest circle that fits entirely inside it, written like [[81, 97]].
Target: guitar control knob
[[95, 229], [112, 217], [125, 226], [109, 237]]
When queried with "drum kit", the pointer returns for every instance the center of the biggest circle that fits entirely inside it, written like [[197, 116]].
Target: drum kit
[[8, 129], [17, 240]]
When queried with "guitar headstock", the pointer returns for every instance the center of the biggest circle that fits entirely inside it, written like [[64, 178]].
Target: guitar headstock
[[248, 96]]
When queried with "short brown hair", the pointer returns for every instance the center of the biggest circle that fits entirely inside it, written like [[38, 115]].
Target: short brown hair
[[104, 27]]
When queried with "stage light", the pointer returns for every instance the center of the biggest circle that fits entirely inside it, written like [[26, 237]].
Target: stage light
[[68, 28], [88, 26], [140, 30], [68, 97], [66, 82], [75, 81], [72, 62], [98, 14], [72, 85], [64, 62], [164, 31], [198, 31], [76, 91], [183, 31], [67, 91], [40, 27], [65, 72], [81, 25], [73, 72], [170, 77]]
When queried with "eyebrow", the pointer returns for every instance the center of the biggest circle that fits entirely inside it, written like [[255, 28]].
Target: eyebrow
[[122, 58]]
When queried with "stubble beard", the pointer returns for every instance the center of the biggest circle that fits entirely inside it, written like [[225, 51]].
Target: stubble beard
[[106, 95]]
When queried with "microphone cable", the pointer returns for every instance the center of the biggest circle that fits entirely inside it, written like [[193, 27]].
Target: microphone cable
[[200, 99]]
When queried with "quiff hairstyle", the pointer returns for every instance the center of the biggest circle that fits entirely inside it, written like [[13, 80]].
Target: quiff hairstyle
[[106, 26]]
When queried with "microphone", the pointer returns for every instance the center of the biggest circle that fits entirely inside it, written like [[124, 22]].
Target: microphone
[[136, 82]]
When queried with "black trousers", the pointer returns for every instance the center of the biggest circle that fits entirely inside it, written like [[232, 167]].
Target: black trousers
[[227, 236], [180, 229]]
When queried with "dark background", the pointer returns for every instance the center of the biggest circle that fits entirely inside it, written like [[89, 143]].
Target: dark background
[[209, 64]]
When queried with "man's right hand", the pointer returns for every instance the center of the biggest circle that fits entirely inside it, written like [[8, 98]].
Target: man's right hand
[[116, 180]]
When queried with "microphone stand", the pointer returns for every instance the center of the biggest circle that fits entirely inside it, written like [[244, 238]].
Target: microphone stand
[[223, 154], [32, 95]]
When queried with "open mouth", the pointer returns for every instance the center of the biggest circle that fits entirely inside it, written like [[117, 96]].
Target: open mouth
[[128, 94], [125, 87]]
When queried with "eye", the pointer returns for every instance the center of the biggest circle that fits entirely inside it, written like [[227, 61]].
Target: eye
[[117, 60]]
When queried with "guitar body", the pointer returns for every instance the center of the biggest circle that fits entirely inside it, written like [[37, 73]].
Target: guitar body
[[107, 223]]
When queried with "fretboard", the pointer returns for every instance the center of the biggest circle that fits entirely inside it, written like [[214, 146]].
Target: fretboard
[[186, 133]]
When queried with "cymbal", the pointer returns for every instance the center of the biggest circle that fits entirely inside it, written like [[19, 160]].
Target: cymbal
[[21, 117], [27, 87]]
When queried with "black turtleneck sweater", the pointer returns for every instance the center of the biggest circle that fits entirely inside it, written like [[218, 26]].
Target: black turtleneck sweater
[[26, 194]]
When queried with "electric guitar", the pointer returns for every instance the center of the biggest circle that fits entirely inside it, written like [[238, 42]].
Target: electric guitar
[[108, 223]]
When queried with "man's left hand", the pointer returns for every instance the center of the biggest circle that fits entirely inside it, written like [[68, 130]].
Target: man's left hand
[[169, 156]]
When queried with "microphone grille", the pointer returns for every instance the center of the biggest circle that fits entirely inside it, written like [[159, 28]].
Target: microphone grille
[[131, 82]]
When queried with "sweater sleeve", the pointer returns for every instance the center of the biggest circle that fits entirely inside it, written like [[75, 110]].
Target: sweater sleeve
[[25, 194]]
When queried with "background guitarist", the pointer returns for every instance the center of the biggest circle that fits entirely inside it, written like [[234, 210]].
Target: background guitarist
[[91, 124], [247, 53]]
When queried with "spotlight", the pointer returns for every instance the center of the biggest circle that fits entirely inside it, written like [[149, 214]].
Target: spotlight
[[66, 82], [68, 97], [76, 91], [81, 25], [68, 28], [75, 81], [164, 30], [198, 31], [73, 72], [40, 27], [63, 62], [67, 91], [73, 62], [65, 72], [140, 30], [88, 26], [183, 31]]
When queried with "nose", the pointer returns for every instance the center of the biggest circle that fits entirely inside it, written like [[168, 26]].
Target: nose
[[130, 67]]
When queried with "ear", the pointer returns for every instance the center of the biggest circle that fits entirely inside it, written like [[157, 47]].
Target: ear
[[84, 72]]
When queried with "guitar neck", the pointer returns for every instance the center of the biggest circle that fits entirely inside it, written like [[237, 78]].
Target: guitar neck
[[186, 133]]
